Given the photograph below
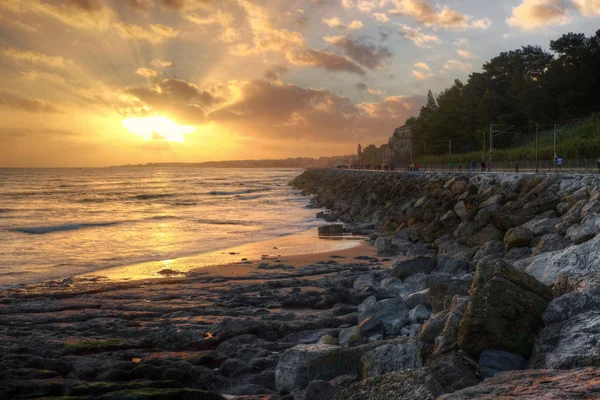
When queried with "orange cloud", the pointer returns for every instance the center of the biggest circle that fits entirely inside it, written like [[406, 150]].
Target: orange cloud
[[419, 38], [30, 105], [335, 22], [146, 72], [425, 13], [532, 14], [325, 60], [366, 54], [156, 34], [34, 57]]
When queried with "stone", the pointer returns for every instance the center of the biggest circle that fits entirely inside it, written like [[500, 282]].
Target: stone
[[567, 344], [419, 314], [460, 209], [497, 199], [391, 357], [549, 243], [454, 371], [492, 247], [492, 362], [442, 294], [414, 299], [387, 315], [517, 237], [447, 340], [329, 340], [291, 373], [482, 236], [535, 384], [504, 311], [349, 335], [585, 231], [392, 287], [336, 229], [544, 226], [319, 390], [385, 247], [433, 327], [407, 385], [405, 268], [579, 259], [363, 281]]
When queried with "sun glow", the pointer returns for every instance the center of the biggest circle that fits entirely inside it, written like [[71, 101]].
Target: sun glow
[[151, 127]]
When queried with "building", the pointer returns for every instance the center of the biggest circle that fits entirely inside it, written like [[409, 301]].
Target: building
[[399, 148]]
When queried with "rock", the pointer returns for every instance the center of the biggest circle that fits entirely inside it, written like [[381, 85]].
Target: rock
[[417, 298], [579, 259], [497, 199], [460, 209], [585, 231], [492, 362], [363, 282], [454, 258], [408, 385], [549, 243], [571, 343], [385, 315], [535, 384], [233, 368], [359, 229], [517, 253], [447, 341], [404, 268], [392, 287], [419, 314], [433, 327], [336, 229], [385, 247], [319, 390], [517, 237], [564, 307], [454, 371], [504, 311], [479, 237], [349, 335], [442, 294], [291, 373], [329, 340], [492, 247], [391, 357], [544, 226]]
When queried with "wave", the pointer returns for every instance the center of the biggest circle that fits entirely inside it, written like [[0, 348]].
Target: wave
[[40, 230], [5, 210], [151, 196], [223, 222], [238, 197], [235, 192]]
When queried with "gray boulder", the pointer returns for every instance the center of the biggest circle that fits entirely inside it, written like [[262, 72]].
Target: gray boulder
[[291, 373], [492, 362], [492, 247], [387, 316], [517, 237], [419, 314], [336, 229], [391, 357], [405, 268]]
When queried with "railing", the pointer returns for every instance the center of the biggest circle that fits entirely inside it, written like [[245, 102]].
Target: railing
[[572, 165]]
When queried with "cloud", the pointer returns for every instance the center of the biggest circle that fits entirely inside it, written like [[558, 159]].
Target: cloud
[[146, 72], [48, 77], [588, 8], [423, 71], [335, 22], [532, 14], [22, 26], [458, 65], [425, 13], [30, 105], [419, 38], [142, 5], [283, 110], [34, 57], [461, 41], [381, 17], [274, 72], [366, 54], [466, 54], [156, 34], [158, 63], [324, 59]]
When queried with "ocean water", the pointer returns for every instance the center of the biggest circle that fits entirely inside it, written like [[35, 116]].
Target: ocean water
[[56, 223]]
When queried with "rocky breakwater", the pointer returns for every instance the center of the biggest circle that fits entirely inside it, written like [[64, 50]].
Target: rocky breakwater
[[493, 293]]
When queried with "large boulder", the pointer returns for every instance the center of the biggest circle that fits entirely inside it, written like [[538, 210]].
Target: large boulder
[[492, 362], [574, 260], [391, 357], [517, 237], [504, 311], [447, 341], [336, 229], [408, 385], [291, 373], [402, 269], [385, 316], [535, 384]]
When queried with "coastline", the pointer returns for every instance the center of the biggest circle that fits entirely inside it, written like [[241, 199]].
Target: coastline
[[421, 309]]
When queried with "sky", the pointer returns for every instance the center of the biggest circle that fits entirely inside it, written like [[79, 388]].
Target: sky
[[109, 82]]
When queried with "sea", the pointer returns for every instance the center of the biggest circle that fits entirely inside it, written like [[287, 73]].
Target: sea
[[57, 223]]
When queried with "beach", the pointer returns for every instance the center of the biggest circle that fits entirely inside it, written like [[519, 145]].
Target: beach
[[441, 285]]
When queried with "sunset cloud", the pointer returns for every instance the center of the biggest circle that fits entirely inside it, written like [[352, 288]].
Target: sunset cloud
[[458, 65], [532, 14], [335, 22], [156, 33], [466, 54], [30, 105], [422, 11], [588, 8], [423, 71], [158, 63], [419, 38], [146, 72], [364, 53], [324, 59], [34, 57]]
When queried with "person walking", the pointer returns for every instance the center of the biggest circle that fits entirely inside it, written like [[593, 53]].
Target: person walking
[[482, 166], [559, 162], [489, 167], [517, 166]]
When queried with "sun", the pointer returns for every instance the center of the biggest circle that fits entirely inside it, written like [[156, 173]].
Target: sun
[[150, 127]]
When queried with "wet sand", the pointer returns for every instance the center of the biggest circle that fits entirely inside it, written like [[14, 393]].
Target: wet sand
[[296, 250]]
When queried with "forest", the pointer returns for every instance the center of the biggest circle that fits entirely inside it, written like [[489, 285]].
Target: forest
[[518, 93]]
